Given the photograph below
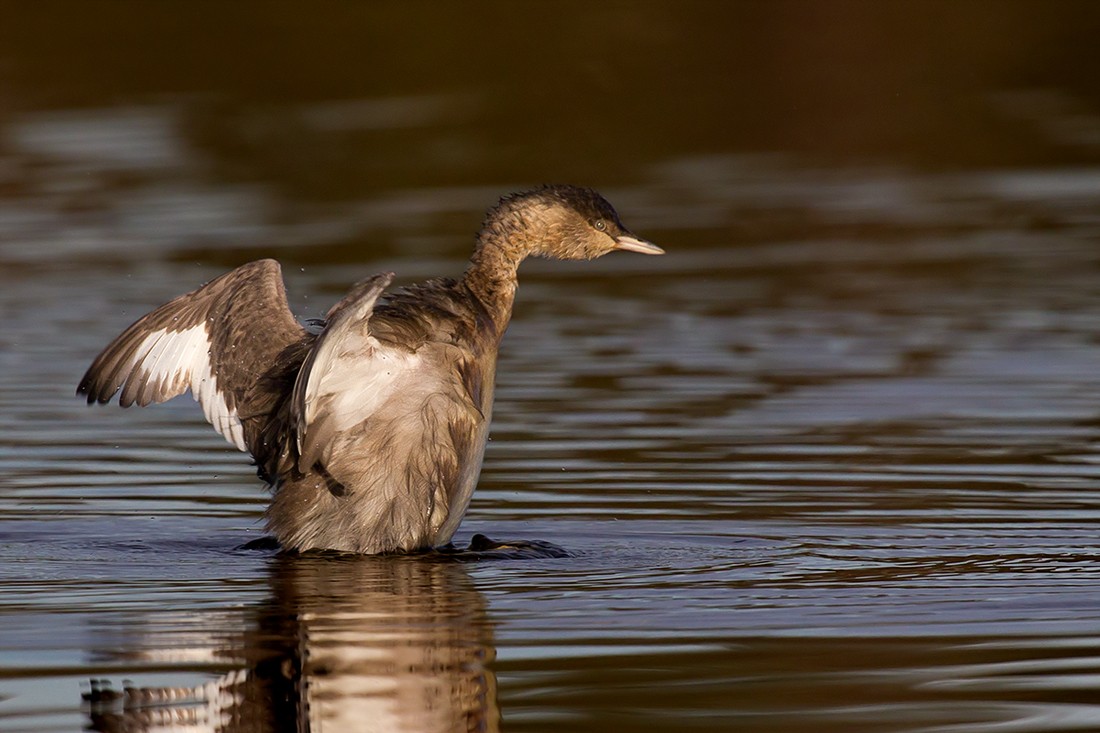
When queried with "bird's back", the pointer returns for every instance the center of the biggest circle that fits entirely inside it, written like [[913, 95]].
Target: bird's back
[[397, 426]]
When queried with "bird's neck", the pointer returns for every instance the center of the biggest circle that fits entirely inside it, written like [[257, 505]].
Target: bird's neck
[[504, 241], [491, 278]]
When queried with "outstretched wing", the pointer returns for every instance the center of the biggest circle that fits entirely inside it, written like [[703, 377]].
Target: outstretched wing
[[216, 341], [330, 383]]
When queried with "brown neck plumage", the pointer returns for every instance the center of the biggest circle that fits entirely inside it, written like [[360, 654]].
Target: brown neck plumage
[[505, 240]]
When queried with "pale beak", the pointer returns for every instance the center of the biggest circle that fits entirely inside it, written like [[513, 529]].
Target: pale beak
[[633, 244]]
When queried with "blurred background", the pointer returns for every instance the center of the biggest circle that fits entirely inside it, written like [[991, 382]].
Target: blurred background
[[354, 130]]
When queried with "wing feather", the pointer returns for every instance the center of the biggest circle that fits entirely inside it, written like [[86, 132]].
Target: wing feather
[[215, 341], [346, 337]]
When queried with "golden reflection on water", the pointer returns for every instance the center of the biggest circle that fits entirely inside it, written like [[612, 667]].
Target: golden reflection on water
[[341, 643]]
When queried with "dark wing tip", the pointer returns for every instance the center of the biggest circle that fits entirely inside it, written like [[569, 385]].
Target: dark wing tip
[[86, 388], [95, 389]]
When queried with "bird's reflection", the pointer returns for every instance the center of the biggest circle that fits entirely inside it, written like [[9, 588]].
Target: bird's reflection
[[345, 643]]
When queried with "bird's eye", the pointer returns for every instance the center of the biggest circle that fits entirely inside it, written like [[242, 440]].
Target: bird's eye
[[600, 224]]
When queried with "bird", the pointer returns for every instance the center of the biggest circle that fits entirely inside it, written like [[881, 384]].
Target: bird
[[369, 425]]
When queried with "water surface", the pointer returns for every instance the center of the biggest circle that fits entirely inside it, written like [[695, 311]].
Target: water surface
[[830, 464]]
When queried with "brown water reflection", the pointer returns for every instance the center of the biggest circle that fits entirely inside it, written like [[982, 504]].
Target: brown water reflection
[[396, 644], [830, 464]]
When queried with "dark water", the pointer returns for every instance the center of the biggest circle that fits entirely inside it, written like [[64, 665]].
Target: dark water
[[831, 464]]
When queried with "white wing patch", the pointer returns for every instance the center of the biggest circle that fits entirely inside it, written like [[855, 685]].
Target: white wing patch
[[348, 375], [359, 382], [347, 386], [167, 363]]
